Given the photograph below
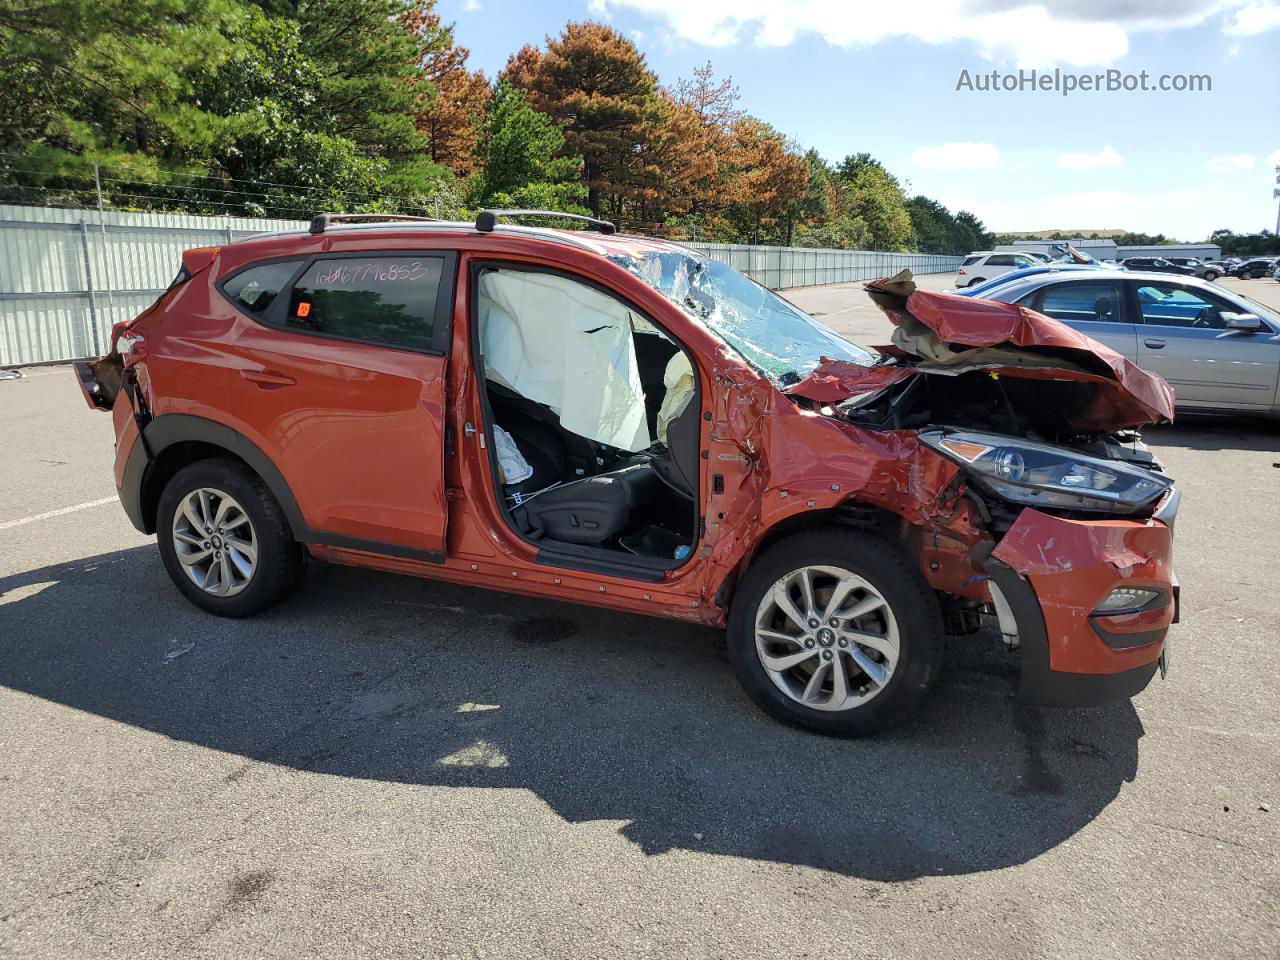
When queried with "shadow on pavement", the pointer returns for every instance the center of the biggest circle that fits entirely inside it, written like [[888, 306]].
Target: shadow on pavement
[[604, 716], [1215, 433]]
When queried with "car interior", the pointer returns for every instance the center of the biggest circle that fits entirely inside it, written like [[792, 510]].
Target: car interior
[[593, 418]]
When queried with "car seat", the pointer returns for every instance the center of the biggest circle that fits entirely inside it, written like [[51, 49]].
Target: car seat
[[588, 511]]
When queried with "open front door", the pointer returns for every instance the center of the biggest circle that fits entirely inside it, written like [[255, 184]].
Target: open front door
[[345, 377]]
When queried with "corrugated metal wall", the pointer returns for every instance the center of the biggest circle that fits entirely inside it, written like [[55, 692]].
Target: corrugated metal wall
[[67, 275]]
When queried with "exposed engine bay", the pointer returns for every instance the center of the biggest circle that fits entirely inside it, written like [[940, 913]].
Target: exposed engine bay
[[1006, 394]]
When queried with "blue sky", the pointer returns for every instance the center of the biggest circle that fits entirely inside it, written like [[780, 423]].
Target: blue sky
[[846, 77]]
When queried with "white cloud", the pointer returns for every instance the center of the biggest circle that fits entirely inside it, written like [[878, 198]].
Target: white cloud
[[1106, 157], [957, 156], [1023, 32], [1274, 159], [471, 5], [1254, 18], [1231, 163]]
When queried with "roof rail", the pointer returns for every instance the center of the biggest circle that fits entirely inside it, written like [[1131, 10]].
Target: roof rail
[[488, 219], [323, 221]]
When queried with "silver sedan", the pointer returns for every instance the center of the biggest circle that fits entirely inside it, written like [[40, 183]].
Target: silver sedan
[[1219, 351]]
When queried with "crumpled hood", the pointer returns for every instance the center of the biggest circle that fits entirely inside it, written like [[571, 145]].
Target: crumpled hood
[[945, 334]]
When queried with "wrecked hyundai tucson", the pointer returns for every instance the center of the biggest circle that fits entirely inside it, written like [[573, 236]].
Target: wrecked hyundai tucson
[[620, 421]]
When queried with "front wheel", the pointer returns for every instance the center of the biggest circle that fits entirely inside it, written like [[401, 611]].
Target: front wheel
[[224, 540], [1210, 275], [836, 632]]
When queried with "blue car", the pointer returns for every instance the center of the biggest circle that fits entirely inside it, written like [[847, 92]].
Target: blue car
[[1013, 276]]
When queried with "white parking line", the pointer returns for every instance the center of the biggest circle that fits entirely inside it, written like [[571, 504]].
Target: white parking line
[[56, 513]]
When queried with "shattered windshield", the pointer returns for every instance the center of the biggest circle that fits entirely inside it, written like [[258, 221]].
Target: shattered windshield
[[779, 340]]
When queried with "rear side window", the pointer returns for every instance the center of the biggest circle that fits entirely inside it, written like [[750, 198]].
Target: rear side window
[[1080, 302], [255, 289], [388, 300], [970, 261], [1001, 260]]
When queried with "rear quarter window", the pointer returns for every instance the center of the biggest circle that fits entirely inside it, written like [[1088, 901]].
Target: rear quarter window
[[255, 289], [970, 261]]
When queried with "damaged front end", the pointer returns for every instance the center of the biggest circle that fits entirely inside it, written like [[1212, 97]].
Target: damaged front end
[[1047, 517]]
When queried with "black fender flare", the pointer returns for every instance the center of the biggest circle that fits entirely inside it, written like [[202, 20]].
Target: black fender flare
[[170, 429]]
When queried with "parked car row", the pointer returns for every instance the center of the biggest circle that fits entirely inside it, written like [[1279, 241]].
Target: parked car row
[[984, 266], [1255, 268]]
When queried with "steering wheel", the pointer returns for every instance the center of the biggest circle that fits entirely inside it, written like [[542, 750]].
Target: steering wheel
[[1205, 318]]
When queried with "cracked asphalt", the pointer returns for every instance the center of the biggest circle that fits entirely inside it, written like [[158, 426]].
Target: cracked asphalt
[[388, 767]]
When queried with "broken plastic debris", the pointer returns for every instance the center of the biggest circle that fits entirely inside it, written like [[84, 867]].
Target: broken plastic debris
[[10, 374], [177, 651]]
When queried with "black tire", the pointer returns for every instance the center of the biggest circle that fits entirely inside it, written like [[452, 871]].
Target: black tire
[[977, 280], [279, 557], [899, 582], [1211, 275]]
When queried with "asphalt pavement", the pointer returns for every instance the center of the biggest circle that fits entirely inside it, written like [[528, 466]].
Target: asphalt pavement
[[390, 767]]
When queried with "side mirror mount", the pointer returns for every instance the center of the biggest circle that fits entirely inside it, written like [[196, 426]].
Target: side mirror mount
[[1248, 322]]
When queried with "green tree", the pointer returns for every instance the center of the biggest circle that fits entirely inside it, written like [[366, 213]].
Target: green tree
[[932, 225], [181, 101], [521, 153], [868, 192], [972, 233]]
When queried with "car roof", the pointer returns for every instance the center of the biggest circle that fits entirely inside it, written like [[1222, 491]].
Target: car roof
[[598, 243], [1029, 283]]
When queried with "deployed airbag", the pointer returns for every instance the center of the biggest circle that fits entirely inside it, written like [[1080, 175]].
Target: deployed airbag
[[566, 345]]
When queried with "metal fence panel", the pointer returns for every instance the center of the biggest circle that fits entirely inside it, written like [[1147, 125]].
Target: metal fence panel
[[67, 275]]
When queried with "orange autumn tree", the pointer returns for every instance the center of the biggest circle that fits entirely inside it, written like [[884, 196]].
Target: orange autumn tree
[[595, 83], [694, 143], [766, 182], [451, 115]]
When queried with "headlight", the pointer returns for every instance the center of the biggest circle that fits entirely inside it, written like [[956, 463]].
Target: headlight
[[1042, 475]]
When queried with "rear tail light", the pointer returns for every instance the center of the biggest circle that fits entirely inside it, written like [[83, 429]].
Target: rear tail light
[[961, 272]]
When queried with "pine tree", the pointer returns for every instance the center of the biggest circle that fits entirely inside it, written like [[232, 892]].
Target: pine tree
[[595, 82]]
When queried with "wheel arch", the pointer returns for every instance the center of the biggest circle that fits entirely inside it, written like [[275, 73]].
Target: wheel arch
[[852, 515], [175, 440]]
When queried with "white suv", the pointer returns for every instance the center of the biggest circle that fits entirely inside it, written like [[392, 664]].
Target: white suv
[[984, 265]]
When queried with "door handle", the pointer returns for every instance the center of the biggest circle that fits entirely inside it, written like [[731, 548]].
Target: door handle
[[267, 378], [1153, 343]]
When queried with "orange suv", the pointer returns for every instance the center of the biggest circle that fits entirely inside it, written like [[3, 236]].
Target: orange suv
[[619, 420]]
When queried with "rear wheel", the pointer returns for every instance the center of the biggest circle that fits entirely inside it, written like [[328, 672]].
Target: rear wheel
[[977, 280], [224, 539], [835, 632], [1211, 275]]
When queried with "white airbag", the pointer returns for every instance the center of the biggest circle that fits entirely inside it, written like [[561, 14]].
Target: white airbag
[[569, 346]]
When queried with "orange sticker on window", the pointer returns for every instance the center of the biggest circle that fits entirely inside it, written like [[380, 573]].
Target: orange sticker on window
[[304, 309]]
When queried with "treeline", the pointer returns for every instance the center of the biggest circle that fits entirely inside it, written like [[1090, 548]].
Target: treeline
[[1246, 244], [281, 108], [1232, 244]]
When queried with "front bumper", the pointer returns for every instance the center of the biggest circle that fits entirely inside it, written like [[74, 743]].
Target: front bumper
[[1054, 572]]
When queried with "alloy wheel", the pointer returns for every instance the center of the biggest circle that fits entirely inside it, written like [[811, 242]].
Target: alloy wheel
[[827, 638], [215, 542]]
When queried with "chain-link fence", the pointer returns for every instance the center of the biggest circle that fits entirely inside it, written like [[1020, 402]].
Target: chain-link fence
[[66, 275]]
